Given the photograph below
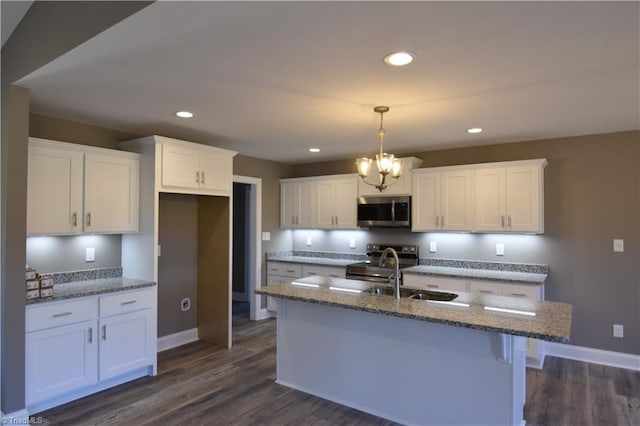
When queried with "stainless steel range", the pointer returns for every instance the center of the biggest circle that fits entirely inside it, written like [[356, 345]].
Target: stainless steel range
[[371, 270]]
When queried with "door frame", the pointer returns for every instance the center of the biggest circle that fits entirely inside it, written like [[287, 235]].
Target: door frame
[[255, 229]]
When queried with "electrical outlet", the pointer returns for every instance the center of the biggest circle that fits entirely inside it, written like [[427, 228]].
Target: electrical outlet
[[266, 236], [499, 249], [90, 254], [433, 247], [352, 243], [618, 330], [618, 245], [185, 304], [308, 241]]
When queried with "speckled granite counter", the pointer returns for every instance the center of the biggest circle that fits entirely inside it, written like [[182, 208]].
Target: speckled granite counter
[[484, 274], [75, 289], [327, 261], [552, 320]]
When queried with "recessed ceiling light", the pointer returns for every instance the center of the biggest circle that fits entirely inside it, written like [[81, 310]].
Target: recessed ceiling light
[[398, 59], [314, 149], [474, 130], [184, 114]]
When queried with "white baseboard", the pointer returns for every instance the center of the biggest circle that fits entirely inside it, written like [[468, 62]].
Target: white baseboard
[[595, 356], [177, 339]]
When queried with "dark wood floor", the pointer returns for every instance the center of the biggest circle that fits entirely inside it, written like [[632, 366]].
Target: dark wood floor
[[199, 384]]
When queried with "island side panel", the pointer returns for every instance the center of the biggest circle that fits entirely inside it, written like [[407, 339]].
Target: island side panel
[[408, 371]]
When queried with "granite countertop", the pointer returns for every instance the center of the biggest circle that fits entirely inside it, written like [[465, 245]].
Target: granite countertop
[[485, 274], [310, 260], [75, 289], [552, 320]]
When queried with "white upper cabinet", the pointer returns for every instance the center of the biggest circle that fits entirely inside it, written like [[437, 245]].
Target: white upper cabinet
[[297, 201], [336, 202], [111, 192], [193, 168], [403, 186], [510, 197], [442, 199], [73, 189], [54, 189]]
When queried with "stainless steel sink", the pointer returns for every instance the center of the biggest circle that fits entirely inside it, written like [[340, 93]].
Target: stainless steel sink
[[411, 293]]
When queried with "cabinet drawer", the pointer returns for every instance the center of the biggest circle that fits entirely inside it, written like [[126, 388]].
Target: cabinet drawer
[[322, 270], [485, 287], [120, 303], [522, 290], [426, 282], [284, 269], [54, 314]]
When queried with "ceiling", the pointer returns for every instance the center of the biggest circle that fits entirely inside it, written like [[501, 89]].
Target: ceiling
[[271, 80], [12, 13]]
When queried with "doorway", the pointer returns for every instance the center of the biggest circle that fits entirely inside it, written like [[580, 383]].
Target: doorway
[[247, 260]]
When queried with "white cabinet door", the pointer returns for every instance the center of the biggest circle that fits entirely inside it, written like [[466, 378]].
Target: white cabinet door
[[457, 201], [126, 343], [523, 203], [346, 199], [428, 282], [510, 199], [54, 190], [443, 201], [297, 201], [425, 208], [490, 199], [216, 172], [111, 193], [179, 167], [336, 203], [60, 360]]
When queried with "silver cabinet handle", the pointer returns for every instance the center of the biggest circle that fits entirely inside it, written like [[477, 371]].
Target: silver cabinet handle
[[74, 219], [201, 177], [62, 314], [104, 332], [291, 271], [437, 221], [89, 219], [485, 291], [433, 286], [336, 220], [509, 221], [502, 221], [197, 177], [441, 221], [393, 211], [90, 334], [297, 221], [128, 302], [518, 295], [312, 273]]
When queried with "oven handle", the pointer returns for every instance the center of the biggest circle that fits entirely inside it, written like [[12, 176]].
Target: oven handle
[[393, 211]]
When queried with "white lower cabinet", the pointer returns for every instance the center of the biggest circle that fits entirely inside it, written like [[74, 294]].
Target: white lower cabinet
[[81, 346], [284, 272], [535, 348]]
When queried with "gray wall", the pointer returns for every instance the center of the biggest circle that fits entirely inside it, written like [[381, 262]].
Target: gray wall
[[62, 254], [48, 30], [592, 187], [178, 262]]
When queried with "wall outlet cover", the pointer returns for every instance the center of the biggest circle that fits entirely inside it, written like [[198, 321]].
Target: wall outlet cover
[[185, 304], [266, 236], [352, 243], [308, 241], [618, 245], [618, 330], [433, 247], [499, 249], [90, 254]]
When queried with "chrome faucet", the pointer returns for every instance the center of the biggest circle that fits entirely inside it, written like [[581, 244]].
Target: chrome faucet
[[383, 257]]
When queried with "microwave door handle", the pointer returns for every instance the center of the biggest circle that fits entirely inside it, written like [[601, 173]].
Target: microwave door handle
[[393, 211]]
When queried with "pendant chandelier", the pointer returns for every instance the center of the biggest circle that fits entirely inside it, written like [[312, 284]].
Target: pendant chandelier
[[387, 163]]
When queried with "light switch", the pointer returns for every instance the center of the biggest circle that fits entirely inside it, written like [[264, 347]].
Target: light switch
[[266, 236], [352, 243], [499, 249], [90, 254], [433, 247], [618, 245]]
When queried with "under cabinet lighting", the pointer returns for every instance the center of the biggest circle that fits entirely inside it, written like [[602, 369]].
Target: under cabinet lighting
[[444, 302], [510, 311], [314, 149], [398, 59], [474, 130], [306, 285], [184, 114], [346, 290]]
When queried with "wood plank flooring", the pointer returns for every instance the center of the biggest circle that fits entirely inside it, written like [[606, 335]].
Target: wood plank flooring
[[199, 384]]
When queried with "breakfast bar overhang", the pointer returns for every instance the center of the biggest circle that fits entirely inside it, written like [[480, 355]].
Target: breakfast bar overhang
[[410, 361]]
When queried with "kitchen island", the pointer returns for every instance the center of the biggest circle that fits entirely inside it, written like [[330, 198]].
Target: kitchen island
[[411, 361]]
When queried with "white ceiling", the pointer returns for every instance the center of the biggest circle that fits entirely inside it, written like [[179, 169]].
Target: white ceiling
[[12, 13], [272, 79]]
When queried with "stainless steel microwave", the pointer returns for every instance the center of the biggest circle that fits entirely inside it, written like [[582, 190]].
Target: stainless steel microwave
[[384, 212]]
